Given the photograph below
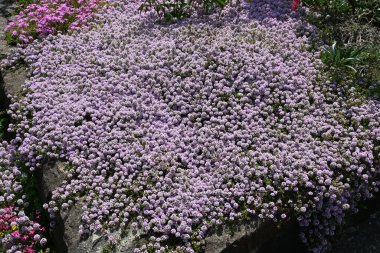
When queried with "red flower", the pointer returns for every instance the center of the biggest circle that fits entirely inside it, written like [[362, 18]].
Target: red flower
[[295, 4]]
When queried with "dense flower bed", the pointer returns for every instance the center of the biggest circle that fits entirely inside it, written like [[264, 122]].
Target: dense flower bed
[[179, 128], [18, 232], [44, 17]]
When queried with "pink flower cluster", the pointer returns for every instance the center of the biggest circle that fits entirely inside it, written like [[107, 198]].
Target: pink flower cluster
[[18, 232], [51, 16]]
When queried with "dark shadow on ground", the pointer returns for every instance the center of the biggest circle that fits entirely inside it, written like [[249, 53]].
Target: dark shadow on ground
[[270, 239]]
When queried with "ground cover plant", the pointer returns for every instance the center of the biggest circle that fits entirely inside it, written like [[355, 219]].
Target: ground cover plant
[[177, 128]]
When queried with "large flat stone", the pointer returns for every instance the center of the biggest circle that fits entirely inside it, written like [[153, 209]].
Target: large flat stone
[[225, 238], [14, 80]]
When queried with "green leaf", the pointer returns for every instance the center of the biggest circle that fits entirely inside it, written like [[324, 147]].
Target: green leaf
[[221, 3]]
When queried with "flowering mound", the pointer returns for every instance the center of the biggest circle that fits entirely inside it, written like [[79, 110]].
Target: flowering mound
[[18, 233], [45, 17], [182, 127]]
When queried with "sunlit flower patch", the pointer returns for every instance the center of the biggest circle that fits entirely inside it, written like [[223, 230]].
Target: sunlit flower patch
[[176, 129]]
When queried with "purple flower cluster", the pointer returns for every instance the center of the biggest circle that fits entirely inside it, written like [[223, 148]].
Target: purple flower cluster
[[179, 128], [51, 16], [10, 175], [18, 232]]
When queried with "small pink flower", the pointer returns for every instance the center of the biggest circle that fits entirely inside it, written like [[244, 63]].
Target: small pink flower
[[24, 238], [28, 250], [15, 234]]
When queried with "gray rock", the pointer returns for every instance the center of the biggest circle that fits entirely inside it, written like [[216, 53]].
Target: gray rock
[[68, 232], [50, 177], [10, 81], [13, 80], [257, 236], [4, 48], [218, 241], [7, 8], [126, 242]]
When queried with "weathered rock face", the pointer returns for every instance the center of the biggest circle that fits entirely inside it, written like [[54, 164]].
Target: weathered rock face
[[4, 48], [50, 177], [11, 80], [228, 238], [7, 8]]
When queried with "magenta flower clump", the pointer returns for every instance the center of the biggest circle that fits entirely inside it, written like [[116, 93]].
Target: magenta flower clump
[[45, 17]]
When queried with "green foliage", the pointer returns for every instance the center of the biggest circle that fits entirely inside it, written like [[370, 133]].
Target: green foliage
[[352, 29], [108, 248], [22, 4], [11, 40], [354, 67], [30, 185], [365, 10], [178, 9], [339, 58]]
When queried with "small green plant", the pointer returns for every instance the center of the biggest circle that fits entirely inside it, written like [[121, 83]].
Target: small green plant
[[108, 248], [340, 58]]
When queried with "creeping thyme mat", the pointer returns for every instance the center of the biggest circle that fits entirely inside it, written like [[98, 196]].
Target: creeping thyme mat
[[180, 128]]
